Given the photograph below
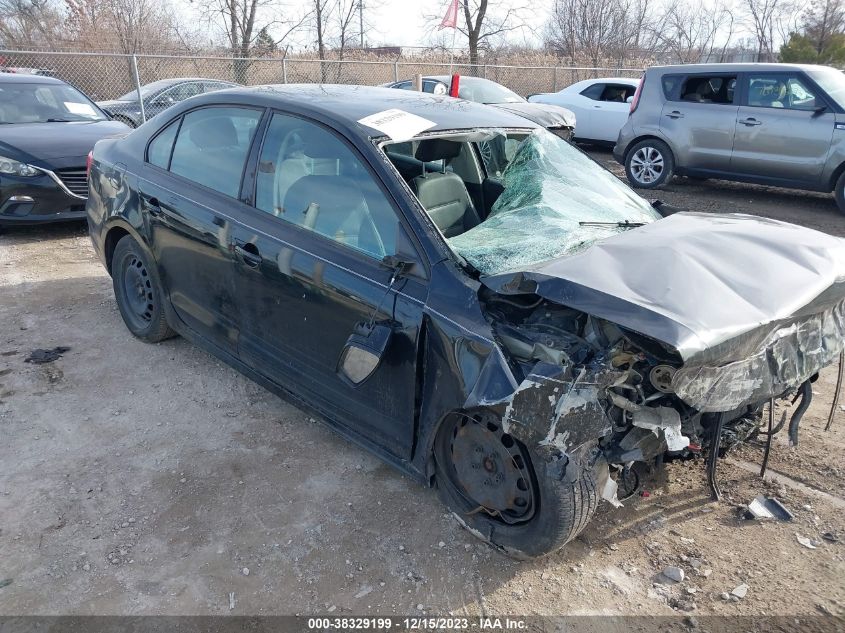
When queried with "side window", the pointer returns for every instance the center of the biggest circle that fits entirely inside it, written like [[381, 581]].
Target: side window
[[309, 177], [212, 146], [405, 85], [780, 91], [158, 152], [709, 89], [617, 93], [594, 92], [435, 87]]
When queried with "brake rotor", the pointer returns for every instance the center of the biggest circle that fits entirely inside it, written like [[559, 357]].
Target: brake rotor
[[489, 467]]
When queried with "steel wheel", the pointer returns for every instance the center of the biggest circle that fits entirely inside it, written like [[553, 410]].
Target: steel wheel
[[647, 165], [138, 291], [489, 470]]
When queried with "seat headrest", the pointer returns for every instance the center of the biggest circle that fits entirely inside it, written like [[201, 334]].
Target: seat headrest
[[316, 142], [437, 149], [331, 193], [213, 133]]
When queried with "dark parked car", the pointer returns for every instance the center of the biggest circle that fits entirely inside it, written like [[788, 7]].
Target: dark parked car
[[554, 118], [158, 96], [524, 336], [47, 129]]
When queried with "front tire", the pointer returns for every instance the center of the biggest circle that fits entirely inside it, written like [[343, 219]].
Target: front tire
[[138, 292], [505, 494], [649, 164]]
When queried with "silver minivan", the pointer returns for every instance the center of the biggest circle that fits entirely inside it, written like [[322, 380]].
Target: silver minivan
[[772, 124]]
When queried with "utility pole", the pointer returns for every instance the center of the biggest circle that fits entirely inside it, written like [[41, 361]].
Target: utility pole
[[361, 20]]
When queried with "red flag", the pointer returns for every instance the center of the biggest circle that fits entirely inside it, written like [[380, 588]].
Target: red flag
[[450, 20]]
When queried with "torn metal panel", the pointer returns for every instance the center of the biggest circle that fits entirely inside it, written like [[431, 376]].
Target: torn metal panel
[[658, 420], [789, 357], [558, 406]]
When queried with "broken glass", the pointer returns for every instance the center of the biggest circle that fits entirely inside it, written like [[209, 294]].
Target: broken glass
[[550, 188]]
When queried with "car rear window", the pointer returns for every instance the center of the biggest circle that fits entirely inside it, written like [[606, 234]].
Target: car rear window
[[700, 88]]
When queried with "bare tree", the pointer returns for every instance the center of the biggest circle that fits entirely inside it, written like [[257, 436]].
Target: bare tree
[[823, 20], [240, 21], [766, 18], [28, 23], [484, 23], [691, 32], [595, 29]]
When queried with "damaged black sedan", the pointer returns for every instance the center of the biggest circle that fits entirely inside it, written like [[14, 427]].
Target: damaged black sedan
[[461, 292]]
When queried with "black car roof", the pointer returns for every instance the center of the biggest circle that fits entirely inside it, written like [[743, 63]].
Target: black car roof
[[348, 104], [20, 78]]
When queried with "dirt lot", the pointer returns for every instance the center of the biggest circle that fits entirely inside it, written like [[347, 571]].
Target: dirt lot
[[142, 479]]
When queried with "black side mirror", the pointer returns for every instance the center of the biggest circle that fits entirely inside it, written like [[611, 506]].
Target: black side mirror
[[363, 351], [398, 264], [819, 110], [665, 210]]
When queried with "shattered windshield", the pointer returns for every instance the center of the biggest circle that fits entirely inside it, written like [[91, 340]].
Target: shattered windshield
[[550, 188]]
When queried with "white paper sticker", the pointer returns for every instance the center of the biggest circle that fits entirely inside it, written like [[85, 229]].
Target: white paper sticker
[[397, 124], [80, 108]]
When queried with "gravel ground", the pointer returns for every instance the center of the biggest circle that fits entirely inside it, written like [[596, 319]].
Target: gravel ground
[[141, 479]]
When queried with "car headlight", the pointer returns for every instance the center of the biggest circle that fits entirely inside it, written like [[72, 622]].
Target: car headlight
[[17, 168]]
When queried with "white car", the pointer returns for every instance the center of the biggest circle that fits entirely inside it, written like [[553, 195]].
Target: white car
[[601, 106]]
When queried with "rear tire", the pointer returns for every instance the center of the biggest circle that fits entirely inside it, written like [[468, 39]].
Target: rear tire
[[839, 193], [138, 292], [561, 496], [649, 164]]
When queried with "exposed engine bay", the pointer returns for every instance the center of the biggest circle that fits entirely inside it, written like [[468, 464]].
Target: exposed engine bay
[[613, 386]]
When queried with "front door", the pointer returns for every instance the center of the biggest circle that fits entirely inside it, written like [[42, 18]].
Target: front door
[[310, 268], [783, 129]]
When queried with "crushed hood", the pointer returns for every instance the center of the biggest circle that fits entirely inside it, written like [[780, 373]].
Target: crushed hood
[[752, 306]]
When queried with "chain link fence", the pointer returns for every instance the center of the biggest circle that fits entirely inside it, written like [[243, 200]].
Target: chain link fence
[[105, 76]]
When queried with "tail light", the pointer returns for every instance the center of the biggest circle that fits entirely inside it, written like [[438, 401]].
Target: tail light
[[635, 101], [455, 86], [88, 162]]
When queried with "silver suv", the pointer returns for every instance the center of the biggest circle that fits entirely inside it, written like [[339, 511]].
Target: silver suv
[[772, 124]]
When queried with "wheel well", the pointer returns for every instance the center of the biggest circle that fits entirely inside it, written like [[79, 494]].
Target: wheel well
[[112, 238], [836, 173], [640, 139]]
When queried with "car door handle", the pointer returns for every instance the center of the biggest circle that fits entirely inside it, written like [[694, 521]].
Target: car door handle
[[674, 114], [751, 121], [150, 205], [249, 254]]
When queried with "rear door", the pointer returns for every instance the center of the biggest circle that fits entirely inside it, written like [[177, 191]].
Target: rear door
[[699, 119], [783, 129], [189, 190], [310, 268]]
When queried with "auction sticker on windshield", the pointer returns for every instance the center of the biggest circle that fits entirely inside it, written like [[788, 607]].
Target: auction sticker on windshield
[[397, 124]]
